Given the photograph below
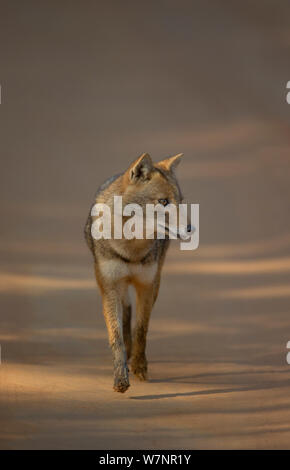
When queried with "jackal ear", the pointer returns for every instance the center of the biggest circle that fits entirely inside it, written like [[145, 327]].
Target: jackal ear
[[141, 168], [170, 163]]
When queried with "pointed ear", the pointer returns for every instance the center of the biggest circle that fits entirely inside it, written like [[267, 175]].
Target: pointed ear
[[170, 163], [141, 168]]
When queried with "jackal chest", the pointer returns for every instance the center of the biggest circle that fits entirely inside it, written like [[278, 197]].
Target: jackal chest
[[114, 270]]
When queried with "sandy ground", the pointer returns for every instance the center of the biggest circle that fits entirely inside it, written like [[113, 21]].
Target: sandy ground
[[210, 83], [217, 353]]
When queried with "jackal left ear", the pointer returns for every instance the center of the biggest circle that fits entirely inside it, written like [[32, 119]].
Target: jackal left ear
[[141, 168], [170, 163]]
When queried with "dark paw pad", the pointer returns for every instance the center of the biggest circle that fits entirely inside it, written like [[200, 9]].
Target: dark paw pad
[[140, 370]]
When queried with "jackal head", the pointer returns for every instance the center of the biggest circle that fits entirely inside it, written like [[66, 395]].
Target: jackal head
[[146, 183]]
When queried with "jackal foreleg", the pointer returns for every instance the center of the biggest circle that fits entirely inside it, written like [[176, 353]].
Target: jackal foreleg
[[145, 301], [112, 308]]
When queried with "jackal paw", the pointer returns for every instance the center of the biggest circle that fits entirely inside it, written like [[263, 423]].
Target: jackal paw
[[121, 382], [140, 370]]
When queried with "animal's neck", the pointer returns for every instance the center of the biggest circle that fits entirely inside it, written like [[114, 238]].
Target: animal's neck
[[133, 250]]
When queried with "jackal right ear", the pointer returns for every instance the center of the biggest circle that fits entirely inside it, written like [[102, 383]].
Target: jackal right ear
[[170, 163], [141, 168]]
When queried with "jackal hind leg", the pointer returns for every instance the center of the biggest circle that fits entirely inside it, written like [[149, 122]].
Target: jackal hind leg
[[127, 314], [145, 300]]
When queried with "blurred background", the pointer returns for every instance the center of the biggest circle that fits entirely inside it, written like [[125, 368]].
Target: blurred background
[[86, 87]]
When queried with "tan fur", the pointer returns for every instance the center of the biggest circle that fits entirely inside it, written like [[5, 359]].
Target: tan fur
[[120, 263]]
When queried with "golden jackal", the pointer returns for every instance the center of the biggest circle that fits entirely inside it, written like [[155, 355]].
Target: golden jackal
[[121, 262]]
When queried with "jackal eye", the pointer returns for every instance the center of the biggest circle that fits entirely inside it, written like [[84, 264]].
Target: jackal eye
[[164, 202]]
